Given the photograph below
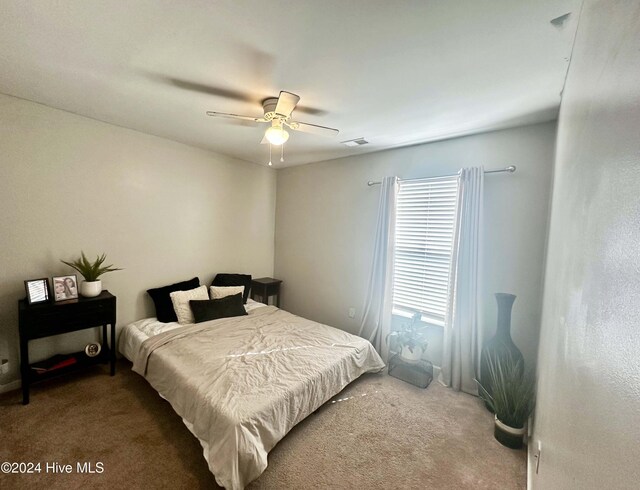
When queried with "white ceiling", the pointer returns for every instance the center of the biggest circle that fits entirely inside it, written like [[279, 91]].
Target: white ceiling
[[394, 72]]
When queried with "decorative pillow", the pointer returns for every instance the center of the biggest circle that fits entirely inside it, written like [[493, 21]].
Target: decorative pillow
[[162, 301], [180, 300], [234, 280], [213, 309], [218, 292]]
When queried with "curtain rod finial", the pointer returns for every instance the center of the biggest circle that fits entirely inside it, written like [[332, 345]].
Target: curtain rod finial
[[511, 168]]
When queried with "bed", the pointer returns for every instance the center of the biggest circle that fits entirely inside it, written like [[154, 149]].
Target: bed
[[241, 384]]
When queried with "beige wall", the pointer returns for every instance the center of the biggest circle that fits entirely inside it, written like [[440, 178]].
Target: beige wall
[[161, 210], [588, 406], [325, 222]]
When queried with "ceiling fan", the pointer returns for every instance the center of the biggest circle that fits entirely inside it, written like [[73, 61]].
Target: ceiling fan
[[277, 112]]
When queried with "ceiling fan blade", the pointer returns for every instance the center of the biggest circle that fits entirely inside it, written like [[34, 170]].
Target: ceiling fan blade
[[236, 116], [210, 90], [314, 129], [286, 103], [310, 110]]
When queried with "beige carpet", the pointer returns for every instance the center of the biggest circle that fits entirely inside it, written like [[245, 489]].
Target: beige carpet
[[383, 434]]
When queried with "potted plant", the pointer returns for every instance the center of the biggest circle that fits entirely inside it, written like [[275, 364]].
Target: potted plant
[[511, 398], [91, 271], [410, 340]]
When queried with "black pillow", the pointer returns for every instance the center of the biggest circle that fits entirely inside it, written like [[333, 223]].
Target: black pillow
[[234, 280], [212, 309], [161, 299]]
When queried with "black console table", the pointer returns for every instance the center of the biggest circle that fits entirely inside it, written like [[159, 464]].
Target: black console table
[[47, 319]]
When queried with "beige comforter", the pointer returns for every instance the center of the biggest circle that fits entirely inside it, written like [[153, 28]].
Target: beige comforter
[[244, 382]]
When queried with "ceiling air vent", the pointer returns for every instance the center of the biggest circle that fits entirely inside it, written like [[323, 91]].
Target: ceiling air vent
[[356, 142]]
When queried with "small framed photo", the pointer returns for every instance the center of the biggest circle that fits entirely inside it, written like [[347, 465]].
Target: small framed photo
[[65, 287], [37, 290], [93, 349]]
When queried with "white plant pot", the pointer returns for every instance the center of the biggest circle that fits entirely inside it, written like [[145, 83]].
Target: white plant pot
[[508, 436], [409, 356], [90, 289]]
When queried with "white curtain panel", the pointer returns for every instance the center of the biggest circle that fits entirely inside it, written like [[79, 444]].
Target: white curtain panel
[[462, 343], [376, 320]]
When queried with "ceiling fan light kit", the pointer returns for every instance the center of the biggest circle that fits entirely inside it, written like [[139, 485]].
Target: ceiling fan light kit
[[278, 111], [276, 135]]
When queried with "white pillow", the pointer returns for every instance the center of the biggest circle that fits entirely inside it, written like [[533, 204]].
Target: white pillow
[[180, 300], [218, 292]]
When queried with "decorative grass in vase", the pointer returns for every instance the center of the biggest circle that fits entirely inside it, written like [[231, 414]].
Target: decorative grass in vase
[[91, 272]]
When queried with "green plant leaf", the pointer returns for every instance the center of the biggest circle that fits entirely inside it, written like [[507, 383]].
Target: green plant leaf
[[91, 271], [513, 390]]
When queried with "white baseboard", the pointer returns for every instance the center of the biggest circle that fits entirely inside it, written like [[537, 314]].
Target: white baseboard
[[14, 385]]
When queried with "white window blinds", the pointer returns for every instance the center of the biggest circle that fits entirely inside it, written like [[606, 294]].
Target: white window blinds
[[425, 221]]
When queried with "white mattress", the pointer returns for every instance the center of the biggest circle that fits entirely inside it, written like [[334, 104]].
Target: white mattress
[[133, 335], [240, 384]]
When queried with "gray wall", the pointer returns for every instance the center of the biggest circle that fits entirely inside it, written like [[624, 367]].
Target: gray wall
[[588, 406], [161, 210], [325, 224]]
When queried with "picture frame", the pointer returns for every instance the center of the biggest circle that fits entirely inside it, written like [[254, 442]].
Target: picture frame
[[65, 287], [37, 290], [93, 349]]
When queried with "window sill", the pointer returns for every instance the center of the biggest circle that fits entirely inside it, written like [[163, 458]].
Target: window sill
[[407, 315]]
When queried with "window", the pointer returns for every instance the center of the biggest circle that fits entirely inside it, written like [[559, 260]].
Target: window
[[425, 222]]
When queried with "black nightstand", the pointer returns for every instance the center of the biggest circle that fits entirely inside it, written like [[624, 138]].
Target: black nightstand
[[265, 287], [48, 319]]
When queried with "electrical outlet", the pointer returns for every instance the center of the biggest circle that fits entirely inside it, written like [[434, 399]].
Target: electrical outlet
[[352, 312]]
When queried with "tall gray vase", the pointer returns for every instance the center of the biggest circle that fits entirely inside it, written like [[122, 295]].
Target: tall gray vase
[[501, 344]]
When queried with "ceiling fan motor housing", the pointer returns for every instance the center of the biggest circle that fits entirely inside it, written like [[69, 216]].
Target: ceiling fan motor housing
[[286, 103], [269, 107]]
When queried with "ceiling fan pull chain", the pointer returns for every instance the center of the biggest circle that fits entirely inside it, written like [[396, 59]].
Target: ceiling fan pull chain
[[282, 153], [270, 164]]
